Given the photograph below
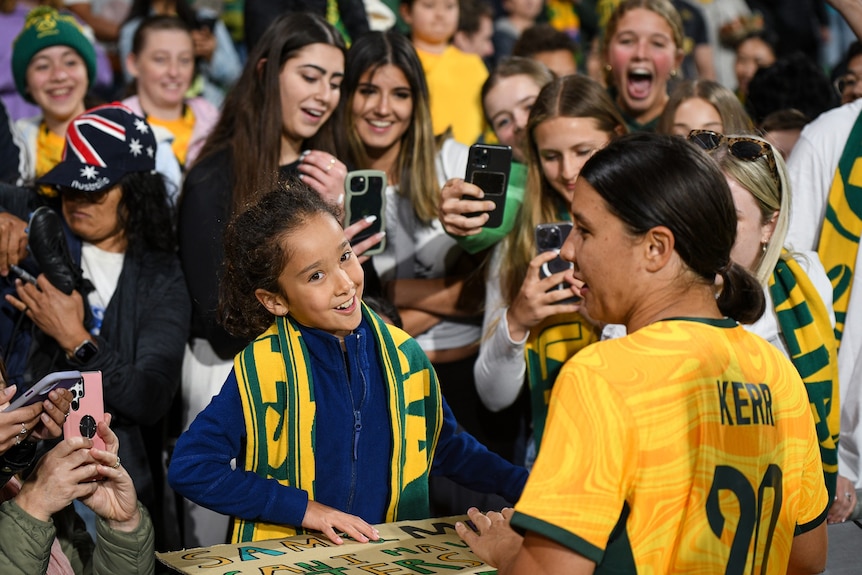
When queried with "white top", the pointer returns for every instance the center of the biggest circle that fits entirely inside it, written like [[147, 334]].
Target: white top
[[812, 167], [103, 270], [716, 13], [500, 369], [416, 250]]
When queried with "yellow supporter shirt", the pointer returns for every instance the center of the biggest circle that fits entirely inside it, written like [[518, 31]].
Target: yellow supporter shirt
[[685, 447], [49, 152], [181, 128], [455, 89]]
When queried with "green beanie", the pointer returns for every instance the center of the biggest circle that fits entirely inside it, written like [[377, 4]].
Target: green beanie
[[44, 28]]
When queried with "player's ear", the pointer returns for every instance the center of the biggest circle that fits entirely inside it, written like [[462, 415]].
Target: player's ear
[[275, 303]]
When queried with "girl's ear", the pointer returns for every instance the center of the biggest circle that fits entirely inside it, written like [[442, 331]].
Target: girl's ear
[[406, 13], [259, 67], [769, 228], [132, 64], [274, 303]]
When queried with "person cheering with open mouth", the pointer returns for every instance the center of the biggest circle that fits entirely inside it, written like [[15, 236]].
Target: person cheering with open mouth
[[642, 50]]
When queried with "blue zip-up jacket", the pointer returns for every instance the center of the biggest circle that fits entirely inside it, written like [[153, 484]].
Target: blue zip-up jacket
[[352, 452]]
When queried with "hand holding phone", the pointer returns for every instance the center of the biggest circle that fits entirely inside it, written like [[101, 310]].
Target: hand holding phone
[[365, 197], [460, 201], [87, 409], [552, 237], [488, 167], [39, 392]]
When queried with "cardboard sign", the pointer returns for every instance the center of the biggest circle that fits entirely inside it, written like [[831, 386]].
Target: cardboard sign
[[408, 547]]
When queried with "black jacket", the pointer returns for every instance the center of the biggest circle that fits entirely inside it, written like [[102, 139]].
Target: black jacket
[[141, 346]]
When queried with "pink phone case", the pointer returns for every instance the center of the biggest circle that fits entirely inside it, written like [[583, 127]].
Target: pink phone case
[[86, 410]]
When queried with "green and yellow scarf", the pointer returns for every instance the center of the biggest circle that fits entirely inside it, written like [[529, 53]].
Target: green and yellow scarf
[[839, 239], [813, 349], [277, 393], [550, 345]]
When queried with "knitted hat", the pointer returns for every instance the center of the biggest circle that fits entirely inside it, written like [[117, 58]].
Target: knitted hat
[[102, 145], [45, 27]]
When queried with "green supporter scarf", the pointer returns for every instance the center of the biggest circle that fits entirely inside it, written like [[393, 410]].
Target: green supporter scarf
[[277, 394], [839, 239], [550, 345], [813, 350], [333, 16]]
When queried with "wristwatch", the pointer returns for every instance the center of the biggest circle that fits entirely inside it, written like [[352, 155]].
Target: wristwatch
[[84, 352]]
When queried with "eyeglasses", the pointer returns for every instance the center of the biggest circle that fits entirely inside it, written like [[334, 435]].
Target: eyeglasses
[[740, 147], [846, 82]]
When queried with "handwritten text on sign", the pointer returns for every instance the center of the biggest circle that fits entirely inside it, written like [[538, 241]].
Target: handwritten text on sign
[[408, 547]]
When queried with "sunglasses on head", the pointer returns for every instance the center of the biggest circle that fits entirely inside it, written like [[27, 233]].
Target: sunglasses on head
[[740, 147]]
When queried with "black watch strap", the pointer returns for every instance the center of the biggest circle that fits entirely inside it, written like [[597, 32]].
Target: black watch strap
[[86, 351]]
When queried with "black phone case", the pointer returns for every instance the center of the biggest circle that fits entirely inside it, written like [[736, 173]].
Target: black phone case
[[551, 237], [488, 167], [365, 192]]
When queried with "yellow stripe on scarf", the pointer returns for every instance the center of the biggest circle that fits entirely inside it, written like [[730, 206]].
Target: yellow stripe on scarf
[[839, 239], [550, 345], [807, 331], [275, 439]]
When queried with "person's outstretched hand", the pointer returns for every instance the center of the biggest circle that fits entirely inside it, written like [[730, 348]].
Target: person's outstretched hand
[[494, 541], [331, 522]]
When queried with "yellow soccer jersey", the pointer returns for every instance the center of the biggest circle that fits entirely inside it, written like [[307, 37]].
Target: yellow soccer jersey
[[455, 81], [685, 447]]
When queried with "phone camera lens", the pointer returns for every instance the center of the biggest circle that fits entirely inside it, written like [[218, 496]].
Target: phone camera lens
[[357, 184]]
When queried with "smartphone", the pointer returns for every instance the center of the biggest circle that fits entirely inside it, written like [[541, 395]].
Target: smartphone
[[39, 392], [488, 168], [365, 195], [87, 409], [552, 237]]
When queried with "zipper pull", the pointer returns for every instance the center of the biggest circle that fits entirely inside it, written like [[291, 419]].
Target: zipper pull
[[357, 427]]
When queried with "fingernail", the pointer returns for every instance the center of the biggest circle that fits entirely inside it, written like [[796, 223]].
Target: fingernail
[[301, 176], [370, 219], [304, 153], [340, 199]]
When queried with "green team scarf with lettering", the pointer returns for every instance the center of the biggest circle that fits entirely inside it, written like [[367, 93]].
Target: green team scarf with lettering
[[277, 394], [839, 239], [550, 345], [813, 349]]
